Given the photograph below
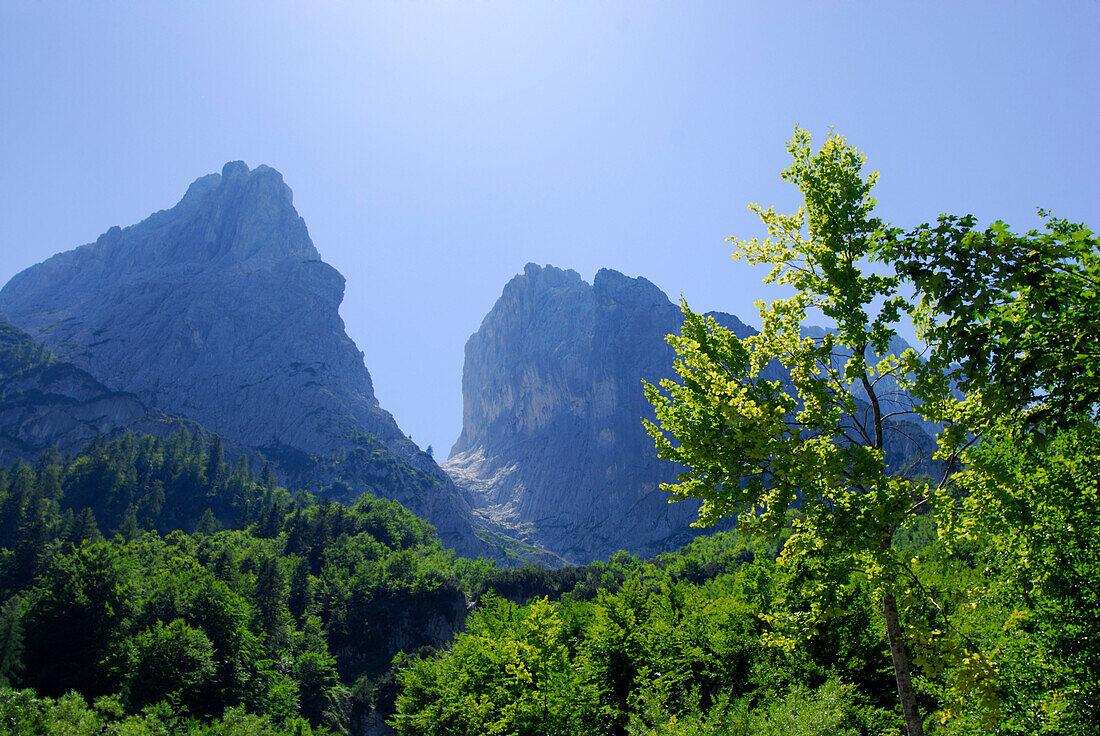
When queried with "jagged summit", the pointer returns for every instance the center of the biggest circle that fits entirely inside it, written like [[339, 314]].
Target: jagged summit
[[552, 443], [220, 310], [238, 217]]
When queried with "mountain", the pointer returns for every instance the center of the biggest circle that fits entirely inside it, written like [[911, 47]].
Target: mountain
[[46, 403], [220, 310], [214, 310], [552, 443]]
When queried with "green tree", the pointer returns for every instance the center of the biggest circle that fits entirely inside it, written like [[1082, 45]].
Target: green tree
[[507, 674], [11, 641], [208, 524], [1009, 318], [78, 607], [215, 462], [269, 597], [1035, 508], [84, 528], [172, 660], [1013, 374], [754, 447]]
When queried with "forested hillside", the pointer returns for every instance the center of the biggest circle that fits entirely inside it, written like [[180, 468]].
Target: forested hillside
[[152, 586], [168, 587], [299, 614], [105, 595], [964, 602]]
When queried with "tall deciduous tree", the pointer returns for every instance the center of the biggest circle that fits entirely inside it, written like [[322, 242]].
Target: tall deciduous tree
[[753, 447], [1013, 374]]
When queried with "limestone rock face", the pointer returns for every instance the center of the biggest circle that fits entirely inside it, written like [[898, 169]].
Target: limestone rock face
[[552, 442], [221, 310], [47, 404]]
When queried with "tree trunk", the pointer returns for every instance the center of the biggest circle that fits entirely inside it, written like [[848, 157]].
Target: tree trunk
[[913, 725]]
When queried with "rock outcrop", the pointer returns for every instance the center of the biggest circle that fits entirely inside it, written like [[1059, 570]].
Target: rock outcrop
[[552, 442], [48, 404], [221, 310]]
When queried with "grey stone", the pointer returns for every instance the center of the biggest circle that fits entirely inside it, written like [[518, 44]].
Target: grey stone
[[220, 310], [56, 405], [552, 443]]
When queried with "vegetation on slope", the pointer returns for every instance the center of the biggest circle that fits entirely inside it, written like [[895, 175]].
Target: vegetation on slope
[[150, 586]]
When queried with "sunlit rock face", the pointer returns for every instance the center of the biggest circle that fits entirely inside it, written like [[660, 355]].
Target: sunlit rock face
[[553, 446], [552, 441], [221, 310]]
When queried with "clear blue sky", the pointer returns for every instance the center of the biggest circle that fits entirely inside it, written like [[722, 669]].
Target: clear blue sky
[[434, 148]]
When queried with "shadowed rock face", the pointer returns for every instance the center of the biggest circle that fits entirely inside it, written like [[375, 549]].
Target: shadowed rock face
[[48, 404], [221, 310], [552, 442]]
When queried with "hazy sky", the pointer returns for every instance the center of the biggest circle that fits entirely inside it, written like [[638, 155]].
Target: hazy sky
[[434, 148]]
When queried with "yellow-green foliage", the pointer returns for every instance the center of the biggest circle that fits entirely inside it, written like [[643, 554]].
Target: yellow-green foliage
[[24, 714], [656, 652], [1012, 375]]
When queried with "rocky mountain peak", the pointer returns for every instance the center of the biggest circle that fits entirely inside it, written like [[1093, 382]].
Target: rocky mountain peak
[[234, 171], [611, 287], [221, 311], [539, 285], [552, 443], [250, 217], [238, 219], [204, 310]]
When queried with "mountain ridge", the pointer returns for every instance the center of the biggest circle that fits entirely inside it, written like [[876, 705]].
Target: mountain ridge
[[553, 446], [220, 310], [47, 404]]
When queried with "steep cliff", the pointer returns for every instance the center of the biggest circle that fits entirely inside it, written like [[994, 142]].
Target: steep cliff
[[552, 443], [46, 403], [221, 310]]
